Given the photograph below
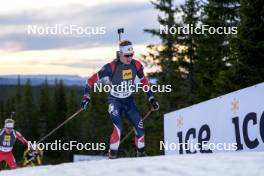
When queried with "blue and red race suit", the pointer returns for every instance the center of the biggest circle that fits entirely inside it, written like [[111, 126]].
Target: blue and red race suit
[[122, 101], [7, 141]]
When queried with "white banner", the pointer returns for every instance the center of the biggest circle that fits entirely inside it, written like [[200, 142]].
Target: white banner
[[233, 122]]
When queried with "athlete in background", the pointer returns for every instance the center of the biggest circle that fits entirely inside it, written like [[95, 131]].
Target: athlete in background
[[8, 138]]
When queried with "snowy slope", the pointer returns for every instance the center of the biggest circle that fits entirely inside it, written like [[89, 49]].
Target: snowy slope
[[220, 164]]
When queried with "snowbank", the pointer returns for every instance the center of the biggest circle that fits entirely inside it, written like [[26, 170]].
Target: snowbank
[[220, 164]]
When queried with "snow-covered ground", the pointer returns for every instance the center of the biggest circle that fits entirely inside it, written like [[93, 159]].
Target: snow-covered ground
[[220, 164]]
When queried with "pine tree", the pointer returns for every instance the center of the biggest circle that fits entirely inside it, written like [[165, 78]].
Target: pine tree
[[18, 104], [73, 128], [188, 56], [98, 124], [250, 43], [1, 113], [247, 62], [44, 114], [8, 107], [214, 49], [166, 55], [246, 66], [27, 119], [59, 114]]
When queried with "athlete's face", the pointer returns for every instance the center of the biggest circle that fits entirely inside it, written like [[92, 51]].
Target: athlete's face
[[8, 130], [126, 58]]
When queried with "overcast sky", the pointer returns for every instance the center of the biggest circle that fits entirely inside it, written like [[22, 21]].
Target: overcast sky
[[21, 53]]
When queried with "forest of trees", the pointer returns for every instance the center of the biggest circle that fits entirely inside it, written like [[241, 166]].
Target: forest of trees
[[204, 66], [208, 66], [39, 109]]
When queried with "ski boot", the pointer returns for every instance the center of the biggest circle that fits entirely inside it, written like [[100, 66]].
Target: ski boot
[[141, 153], [112, 154]]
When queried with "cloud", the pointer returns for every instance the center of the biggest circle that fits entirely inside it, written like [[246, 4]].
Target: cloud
[[73, 62], [79, 63], [134, 17]]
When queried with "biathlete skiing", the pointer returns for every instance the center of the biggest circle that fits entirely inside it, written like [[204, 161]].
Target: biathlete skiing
[[122, 71], [8, 138]]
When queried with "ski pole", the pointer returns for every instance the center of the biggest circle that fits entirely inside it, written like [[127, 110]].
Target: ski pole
[[63, 123], [12, 114], [119, 31], [130, 132]]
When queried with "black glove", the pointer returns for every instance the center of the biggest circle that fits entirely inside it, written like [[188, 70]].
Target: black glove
[[85, 102], [30, 156], [154, 103]]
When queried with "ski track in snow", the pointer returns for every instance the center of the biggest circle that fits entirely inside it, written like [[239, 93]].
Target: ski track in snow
[[219, 164]]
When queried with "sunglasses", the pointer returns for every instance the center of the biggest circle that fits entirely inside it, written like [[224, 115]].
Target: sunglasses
[[128, 55]]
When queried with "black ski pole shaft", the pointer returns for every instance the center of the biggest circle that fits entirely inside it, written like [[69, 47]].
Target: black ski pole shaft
[[63, 123], [131, 131], [12, 114], [120, 31]]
